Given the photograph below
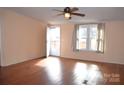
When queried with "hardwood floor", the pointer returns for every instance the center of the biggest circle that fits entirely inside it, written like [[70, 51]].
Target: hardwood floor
[[55, 70]]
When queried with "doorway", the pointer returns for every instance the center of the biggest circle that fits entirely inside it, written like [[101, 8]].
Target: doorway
[[53, 41]]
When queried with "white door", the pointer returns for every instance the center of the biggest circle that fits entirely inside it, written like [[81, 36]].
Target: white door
[[53, 41]]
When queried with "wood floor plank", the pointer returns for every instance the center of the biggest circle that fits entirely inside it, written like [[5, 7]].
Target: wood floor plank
[[62, 71]]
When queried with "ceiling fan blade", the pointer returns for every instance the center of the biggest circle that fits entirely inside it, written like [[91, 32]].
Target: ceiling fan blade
[[58, 10], [60, 14], [78, 14], [74, 9]]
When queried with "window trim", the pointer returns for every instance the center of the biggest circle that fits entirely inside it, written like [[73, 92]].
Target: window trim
[[88, 49]]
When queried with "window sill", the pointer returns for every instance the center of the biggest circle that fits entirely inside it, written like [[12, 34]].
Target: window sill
[[77, 50]]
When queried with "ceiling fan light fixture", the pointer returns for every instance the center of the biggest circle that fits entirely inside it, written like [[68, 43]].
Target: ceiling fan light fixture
[[67, 16]]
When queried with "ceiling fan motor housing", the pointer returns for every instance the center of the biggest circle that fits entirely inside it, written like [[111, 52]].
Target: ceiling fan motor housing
[[67, 10]]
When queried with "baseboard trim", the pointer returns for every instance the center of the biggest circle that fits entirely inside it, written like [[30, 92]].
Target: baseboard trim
[[23, 61], [93, 61], [65, 58]]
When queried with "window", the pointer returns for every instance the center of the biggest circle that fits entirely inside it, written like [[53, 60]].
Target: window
[[90, 37]]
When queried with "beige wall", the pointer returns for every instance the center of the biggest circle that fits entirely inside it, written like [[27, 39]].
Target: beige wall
[[23, 38], [114, 45], [1, 32], [0, 41]]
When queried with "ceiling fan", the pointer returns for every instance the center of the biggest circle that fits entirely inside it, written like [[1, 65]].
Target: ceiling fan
[[68, 12]]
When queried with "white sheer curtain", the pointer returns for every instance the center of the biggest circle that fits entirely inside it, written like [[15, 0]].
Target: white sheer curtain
[[101, 37], [74, 37]]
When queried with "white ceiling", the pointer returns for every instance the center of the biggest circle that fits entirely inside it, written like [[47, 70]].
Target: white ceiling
[[93, 14]]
